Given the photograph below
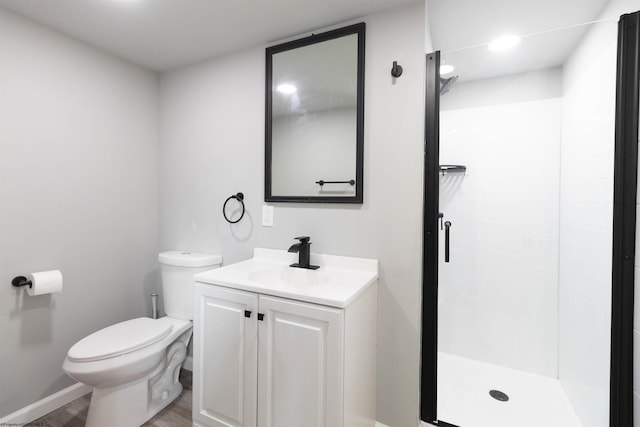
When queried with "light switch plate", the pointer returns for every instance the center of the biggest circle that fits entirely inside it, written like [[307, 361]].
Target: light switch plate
[[267, 216]]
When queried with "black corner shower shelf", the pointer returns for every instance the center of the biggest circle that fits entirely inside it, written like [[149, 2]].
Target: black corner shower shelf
[[444, 169]]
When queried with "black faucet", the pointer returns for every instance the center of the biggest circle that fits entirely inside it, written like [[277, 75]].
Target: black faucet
[[303, 249]]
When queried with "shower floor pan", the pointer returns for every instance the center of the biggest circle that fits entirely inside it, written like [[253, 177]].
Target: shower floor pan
[[533, 400]]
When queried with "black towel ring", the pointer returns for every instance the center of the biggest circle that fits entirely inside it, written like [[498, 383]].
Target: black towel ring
[[240, 198]]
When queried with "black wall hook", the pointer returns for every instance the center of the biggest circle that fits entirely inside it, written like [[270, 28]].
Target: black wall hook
[[396, 70], [240, 198]]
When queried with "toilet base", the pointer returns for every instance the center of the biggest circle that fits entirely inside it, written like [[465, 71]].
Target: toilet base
[[134, 403]]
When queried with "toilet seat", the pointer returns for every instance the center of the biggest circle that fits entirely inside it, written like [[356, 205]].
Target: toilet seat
[[121, 338]]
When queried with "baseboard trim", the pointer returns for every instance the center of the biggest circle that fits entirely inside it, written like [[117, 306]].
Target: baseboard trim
[[43, 406], [422, 424]]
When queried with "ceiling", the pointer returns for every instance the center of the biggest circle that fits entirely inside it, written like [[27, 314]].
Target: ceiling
[[462, 28], [165, 34], [458, 24]]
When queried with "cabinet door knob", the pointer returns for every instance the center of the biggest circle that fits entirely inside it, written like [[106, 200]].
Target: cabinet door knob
[[247, 313], [261, 316]]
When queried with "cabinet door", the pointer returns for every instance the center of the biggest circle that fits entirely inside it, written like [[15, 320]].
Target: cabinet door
[[225, 357], [300, 364]]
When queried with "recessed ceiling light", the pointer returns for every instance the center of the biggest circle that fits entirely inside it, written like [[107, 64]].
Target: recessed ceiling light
[[504, 43], [286, 88], [446, 69]]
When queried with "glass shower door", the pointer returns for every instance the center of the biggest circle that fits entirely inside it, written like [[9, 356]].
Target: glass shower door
[[525, 197]]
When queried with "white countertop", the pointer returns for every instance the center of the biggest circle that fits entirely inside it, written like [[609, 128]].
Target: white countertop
[[337, 282]]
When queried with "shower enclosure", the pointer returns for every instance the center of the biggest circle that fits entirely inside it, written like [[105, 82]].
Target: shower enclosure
[[527, 309]]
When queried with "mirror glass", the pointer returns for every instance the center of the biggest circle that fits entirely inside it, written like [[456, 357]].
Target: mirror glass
[[314, 118]]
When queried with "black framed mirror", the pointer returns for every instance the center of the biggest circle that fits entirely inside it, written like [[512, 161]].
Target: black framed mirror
[[314, 124]]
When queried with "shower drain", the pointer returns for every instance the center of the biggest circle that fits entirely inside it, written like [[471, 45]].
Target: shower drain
[[498, 395]]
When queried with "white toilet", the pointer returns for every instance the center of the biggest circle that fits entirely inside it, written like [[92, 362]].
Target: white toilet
[[133, 366]]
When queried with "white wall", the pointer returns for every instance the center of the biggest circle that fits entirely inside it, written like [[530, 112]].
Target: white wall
[[79, 193], [212, 146], [586, 217], [498, 294]]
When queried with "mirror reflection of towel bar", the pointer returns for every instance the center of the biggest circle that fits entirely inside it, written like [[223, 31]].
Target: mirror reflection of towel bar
[[444, 169], [322, 182]]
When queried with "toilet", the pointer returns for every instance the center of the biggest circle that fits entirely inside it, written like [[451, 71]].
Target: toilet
[[133, 366]]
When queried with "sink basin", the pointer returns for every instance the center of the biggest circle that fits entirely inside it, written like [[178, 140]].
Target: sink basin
[[288, 277], [336, 284]]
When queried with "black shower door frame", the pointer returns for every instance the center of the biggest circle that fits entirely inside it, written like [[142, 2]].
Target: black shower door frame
[[624, 230]]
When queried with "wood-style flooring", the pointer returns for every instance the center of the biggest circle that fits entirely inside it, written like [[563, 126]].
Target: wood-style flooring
[[74, 414]]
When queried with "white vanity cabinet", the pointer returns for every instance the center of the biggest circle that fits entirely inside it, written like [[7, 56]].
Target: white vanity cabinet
[[268, 361], [225, 357]]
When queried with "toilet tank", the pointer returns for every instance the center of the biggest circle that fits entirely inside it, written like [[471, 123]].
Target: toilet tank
[[176, 271]]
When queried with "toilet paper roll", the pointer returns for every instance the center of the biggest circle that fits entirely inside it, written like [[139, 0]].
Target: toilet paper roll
[[44, 282]]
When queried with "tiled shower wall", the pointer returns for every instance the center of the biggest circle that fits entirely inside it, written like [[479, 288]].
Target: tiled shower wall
[[498, 294], [586, 218]]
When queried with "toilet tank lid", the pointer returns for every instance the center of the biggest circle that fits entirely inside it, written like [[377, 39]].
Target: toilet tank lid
[[188, 259]]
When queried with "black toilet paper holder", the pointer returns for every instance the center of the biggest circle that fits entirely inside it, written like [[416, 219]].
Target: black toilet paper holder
[[20, 281]]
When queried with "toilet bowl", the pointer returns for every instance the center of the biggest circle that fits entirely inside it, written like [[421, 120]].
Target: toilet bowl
[[133, 366]]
